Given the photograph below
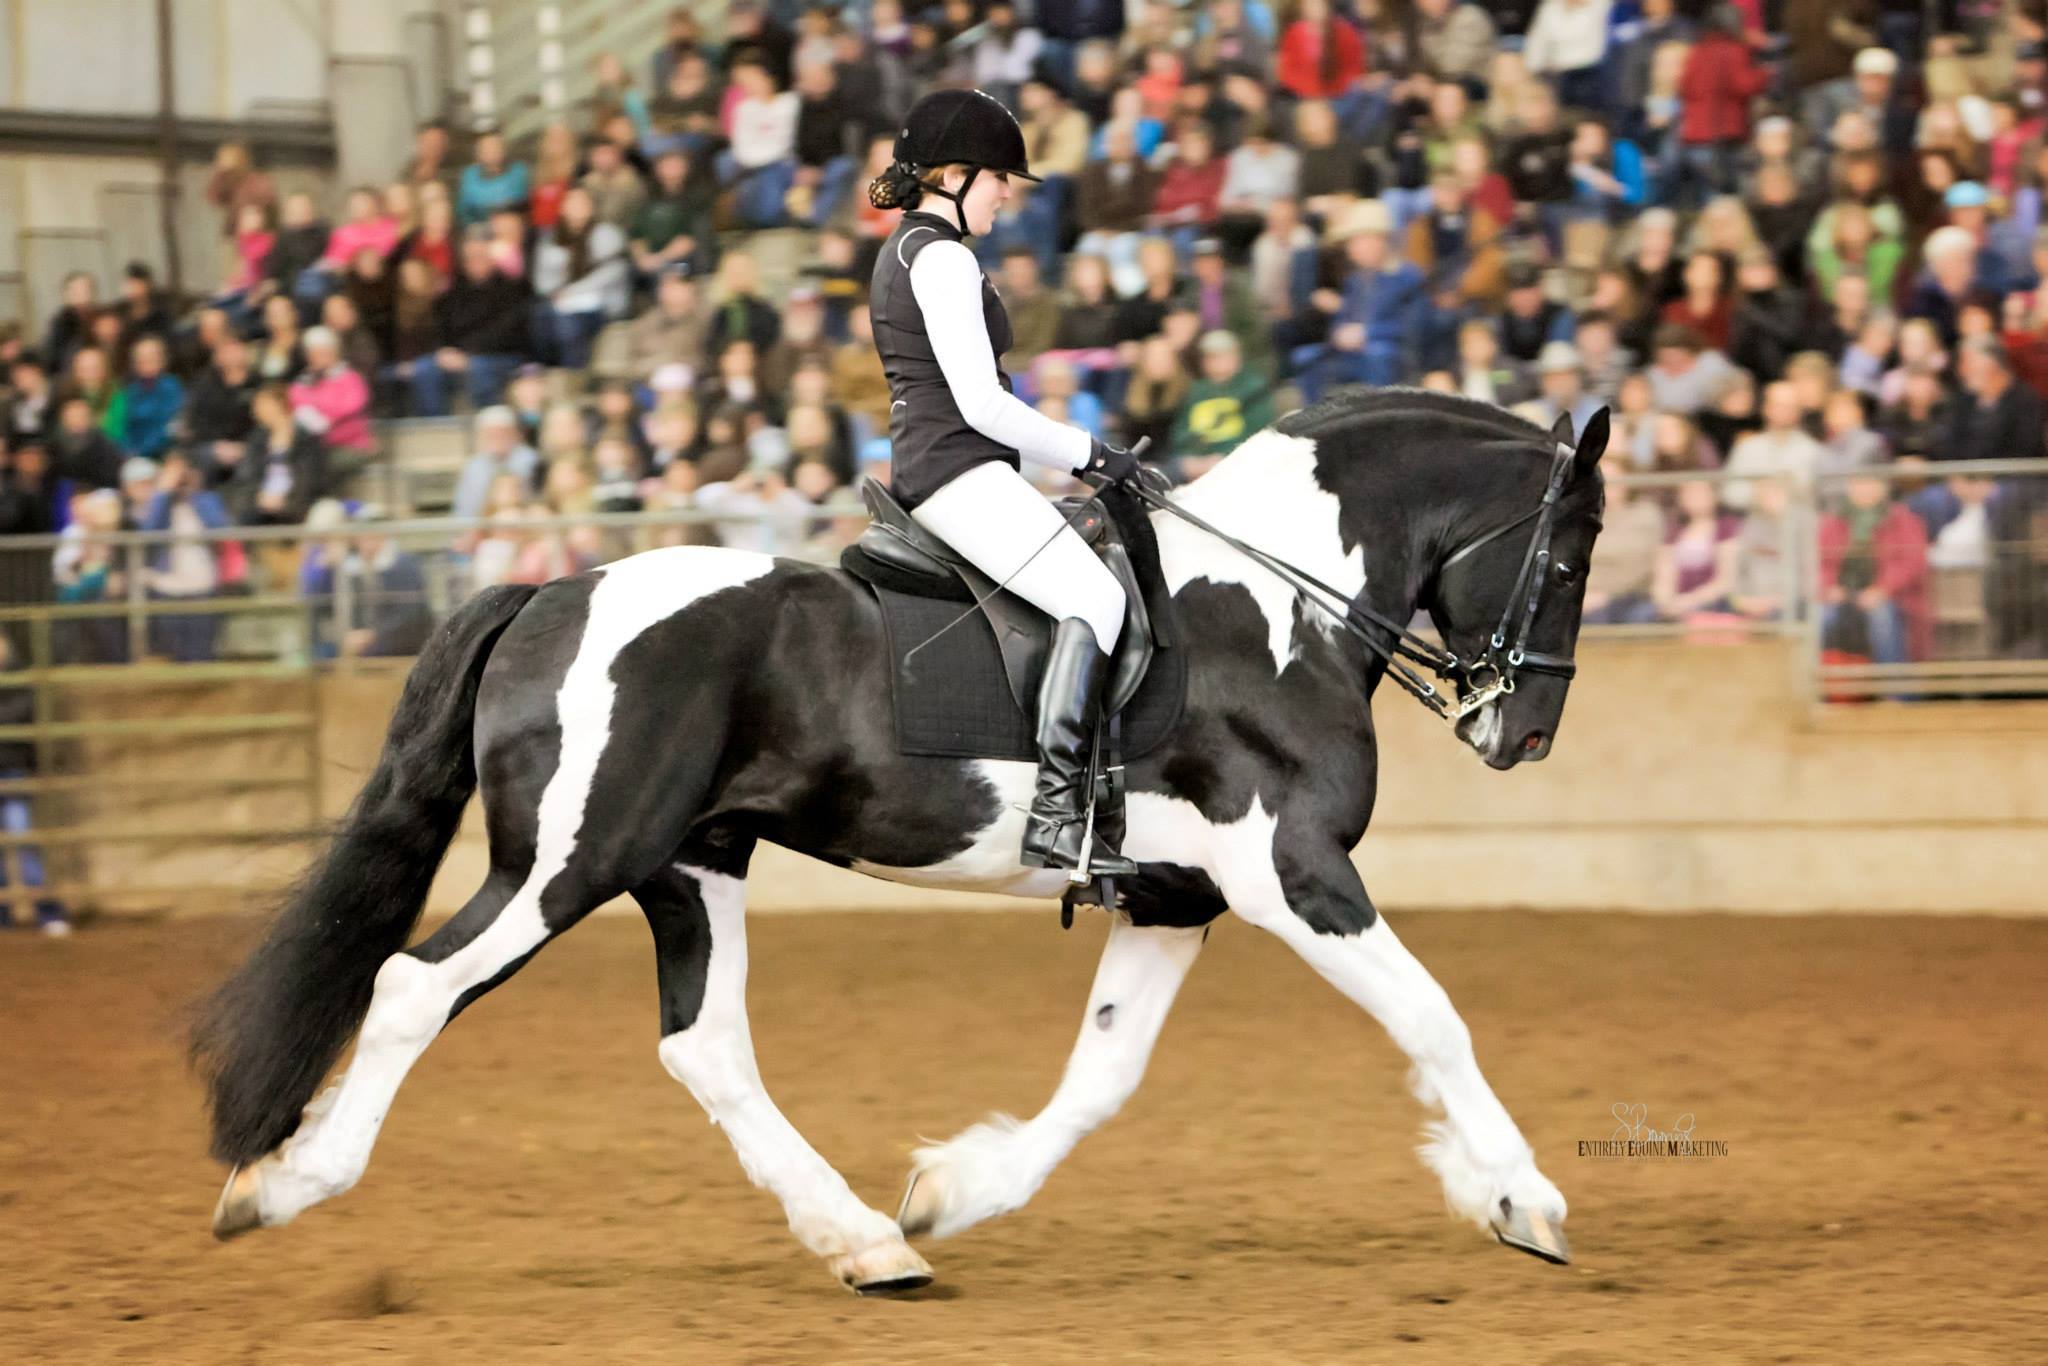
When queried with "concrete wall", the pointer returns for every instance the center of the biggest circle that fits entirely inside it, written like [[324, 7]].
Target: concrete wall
[[1684, 778]]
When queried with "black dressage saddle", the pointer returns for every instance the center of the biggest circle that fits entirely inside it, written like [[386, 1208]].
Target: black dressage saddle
[[969, 688]]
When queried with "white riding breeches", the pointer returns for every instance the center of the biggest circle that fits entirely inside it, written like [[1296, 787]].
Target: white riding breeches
[[996, 521]]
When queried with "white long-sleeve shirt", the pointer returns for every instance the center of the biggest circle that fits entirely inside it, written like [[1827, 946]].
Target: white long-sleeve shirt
[[1567, 35], [947, 282]]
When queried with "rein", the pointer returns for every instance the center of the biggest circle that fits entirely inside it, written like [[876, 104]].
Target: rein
[[1489, 676]]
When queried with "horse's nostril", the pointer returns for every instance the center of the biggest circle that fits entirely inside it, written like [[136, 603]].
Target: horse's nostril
[[1532, 742]]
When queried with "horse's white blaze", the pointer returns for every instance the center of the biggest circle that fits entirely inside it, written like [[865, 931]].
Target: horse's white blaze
[[995, 1167], [330, 1150], [714, 1058], [1266, 495]]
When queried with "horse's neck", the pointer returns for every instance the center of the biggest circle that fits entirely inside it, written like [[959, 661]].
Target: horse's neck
[[1265, 494]]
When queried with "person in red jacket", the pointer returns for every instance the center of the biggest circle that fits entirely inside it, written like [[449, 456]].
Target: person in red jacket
[[1873, 572], [1714, 92], [1186, 201], [1321, 55]]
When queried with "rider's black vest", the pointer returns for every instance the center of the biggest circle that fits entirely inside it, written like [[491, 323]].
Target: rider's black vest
[[930, 442]]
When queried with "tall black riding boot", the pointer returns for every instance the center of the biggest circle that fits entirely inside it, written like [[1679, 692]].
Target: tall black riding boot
[[1069, 711]]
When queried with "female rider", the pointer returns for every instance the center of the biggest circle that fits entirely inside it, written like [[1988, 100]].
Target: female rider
[[957, 434]]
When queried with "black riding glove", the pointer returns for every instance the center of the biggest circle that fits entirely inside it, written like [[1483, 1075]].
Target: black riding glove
[[1108, 464]]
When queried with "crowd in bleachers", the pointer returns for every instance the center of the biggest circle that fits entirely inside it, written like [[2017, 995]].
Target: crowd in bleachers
[[1784, 238]]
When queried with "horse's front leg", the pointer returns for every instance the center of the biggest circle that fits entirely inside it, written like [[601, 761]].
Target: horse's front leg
[[995, 1167], [1310, 896]]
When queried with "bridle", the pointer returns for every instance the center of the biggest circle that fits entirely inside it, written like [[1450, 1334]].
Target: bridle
[[1473, 682]]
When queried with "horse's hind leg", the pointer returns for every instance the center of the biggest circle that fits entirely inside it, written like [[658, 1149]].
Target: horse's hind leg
[[418, 992], [698, 920]]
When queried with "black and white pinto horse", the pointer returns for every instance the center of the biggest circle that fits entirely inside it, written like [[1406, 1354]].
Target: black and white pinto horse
[[637, 728]]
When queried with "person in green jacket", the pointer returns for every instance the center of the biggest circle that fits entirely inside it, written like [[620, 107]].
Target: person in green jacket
[[1226, 405]]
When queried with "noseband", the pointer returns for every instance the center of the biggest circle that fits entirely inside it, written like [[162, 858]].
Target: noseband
[[1473, 682]]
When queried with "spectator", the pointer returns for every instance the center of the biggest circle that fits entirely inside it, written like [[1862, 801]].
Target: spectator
[[554, 171], [1034, 310], [361, 348], [1258, 172], [1873, 572], [580, 274], [1717, 85], [281, 355], [1113, 201], [1686, 373], [433, 243], [1782, 450], [218, 410], [1226, 404], [428, 164], [153, 401], [92, 380], [70, 327], [1705, 307], [757, 508], [83, 451], [1994, 418], [1568, 42], [332, 401], [1374, 319], [803, 338], [615, 481], [275, 476], [190, 566], [1321, 55], [21, 865], [491, 182], [1454, 39], [1532, 318], [673, 227], [1623, 570], [484, 334], [857, 377], [759, 163], [1849, 443], [499, 451], [1696, 567], [670, 333], [28, 497], [141, 308], [616, 190], [1561, 375], [28, 411], [826, 132], [1768, 322], [739, 312], [390, 616], [368, 228]]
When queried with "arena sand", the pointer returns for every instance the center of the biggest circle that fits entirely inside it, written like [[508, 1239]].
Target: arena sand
[[543, 1192]]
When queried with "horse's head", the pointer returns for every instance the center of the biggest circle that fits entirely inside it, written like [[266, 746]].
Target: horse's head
[[1507, 595]]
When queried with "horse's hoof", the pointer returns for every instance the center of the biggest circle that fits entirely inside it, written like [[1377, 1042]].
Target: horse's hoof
[[919, 1212], [1534, 1232], [883, 1269], [239, 1210]]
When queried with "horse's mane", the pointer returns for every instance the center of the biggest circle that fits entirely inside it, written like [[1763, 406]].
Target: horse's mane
[[1398, 405]]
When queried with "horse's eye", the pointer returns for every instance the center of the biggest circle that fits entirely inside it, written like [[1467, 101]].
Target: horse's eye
[[1567, 574]]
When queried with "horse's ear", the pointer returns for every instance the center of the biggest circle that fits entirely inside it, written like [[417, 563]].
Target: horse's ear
[[1561, 430], [1592, 445]]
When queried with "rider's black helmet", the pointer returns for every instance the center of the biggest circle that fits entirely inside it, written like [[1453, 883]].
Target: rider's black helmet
[[950, 128], [963, 127]]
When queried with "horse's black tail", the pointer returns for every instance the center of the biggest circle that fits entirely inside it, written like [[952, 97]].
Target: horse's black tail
[[268, 1036]]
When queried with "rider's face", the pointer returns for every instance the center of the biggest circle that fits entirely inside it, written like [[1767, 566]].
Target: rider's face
[[991, 189]]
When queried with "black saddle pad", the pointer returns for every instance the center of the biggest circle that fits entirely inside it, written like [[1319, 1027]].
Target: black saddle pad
[[953, 701]]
